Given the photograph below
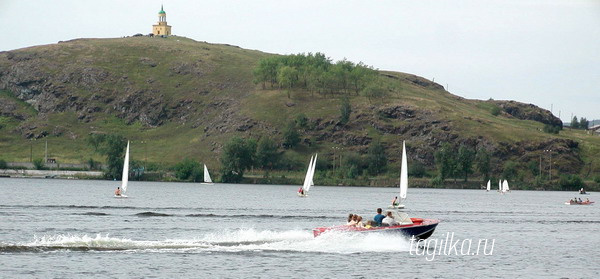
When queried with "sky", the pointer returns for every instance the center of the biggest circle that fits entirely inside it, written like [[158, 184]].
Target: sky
[[542, 52]]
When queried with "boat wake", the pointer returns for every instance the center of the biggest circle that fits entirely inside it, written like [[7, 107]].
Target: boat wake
[[229, 241]]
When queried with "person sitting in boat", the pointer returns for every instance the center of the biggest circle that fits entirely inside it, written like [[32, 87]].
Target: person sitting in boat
[[369, 224], [389, 220], [118, 191], [379, 217], [301, 191], [359, 223], [352, 220], [395, 202], [587, 200], [580, 201]]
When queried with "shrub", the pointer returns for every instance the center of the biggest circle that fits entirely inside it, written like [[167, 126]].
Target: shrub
[[495, 110], [416, 169], [3, 164], [550, 129], [437, 181], [570, 182], [38, 164]]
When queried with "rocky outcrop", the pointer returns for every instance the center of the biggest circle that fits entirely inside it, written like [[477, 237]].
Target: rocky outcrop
[[528, 112]]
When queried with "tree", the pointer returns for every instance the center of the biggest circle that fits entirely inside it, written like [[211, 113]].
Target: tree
[[113, 147], [373, 91], [533, 167], [482, 163], [465, 160], [287, 77], [266, 153], [509, 171], [301, 120], [237, 156], [445, 161], [376, 158], [584, 124], [189, 169], [345, 110], [574, 123], [416, 169], [291, 137]]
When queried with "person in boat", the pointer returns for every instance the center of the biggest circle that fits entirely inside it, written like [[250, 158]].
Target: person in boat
[[352, 220], [370, 224], [395, 201], [389, 220], [118, 191], [580, 201], [359, 223], [301, 191], [587, 200], [379, 217]]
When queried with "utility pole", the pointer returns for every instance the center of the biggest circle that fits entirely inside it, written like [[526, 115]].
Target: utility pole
[[46, 153], [540, 166]]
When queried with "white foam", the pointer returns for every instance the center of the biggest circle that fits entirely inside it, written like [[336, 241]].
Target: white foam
[[238, 240]]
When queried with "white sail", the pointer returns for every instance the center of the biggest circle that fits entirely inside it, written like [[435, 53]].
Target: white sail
[[312, 173], [500, 185], [489, 185], [308, 178], [125, 177], [206, 175], [505, 186], [403, 175]]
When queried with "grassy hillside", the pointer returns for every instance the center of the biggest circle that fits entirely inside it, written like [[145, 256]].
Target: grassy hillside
[[176, 98]]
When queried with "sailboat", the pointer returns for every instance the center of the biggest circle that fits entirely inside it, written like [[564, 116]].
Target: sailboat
[[505, 188], [500, 185], [207, 180], [403, 180], [125, 176], [489, 185], [308, 179]]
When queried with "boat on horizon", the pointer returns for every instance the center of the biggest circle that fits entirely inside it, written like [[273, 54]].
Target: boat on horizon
[[308, 179], [207, 180], [125, 176], [579, 203]]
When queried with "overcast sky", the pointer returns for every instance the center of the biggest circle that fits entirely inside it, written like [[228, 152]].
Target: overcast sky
[[534, 51]]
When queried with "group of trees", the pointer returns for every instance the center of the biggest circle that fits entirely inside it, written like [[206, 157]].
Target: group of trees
[[241, 154], [453, 164], [580, 124], [317, 73]]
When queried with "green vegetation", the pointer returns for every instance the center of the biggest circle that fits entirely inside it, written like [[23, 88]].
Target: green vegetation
[[113, 147], [315, 73], [376, 158], [570, 182], [237, 157], [3, 164], [189, 170], [291, 137], [345, 110]]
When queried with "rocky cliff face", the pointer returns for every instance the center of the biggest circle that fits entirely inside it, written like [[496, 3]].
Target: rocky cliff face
[[528, 112]]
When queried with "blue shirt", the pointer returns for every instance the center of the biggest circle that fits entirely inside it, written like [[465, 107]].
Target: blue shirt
[[378, 218]]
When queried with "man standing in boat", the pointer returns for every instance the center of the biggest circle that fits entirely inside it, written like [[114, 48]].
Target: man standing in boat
[[118, 192]]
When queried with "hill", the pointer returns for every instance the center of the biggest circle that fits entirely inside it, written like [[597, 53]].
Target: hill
[[175, 98]]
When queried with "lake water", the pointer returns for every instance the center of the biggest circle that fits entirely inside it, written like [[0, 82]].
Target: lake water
[[77, 229]]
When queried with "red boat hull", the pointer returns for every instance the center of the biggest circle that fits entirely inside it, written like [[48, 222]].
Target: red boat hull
[[420, 229]]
